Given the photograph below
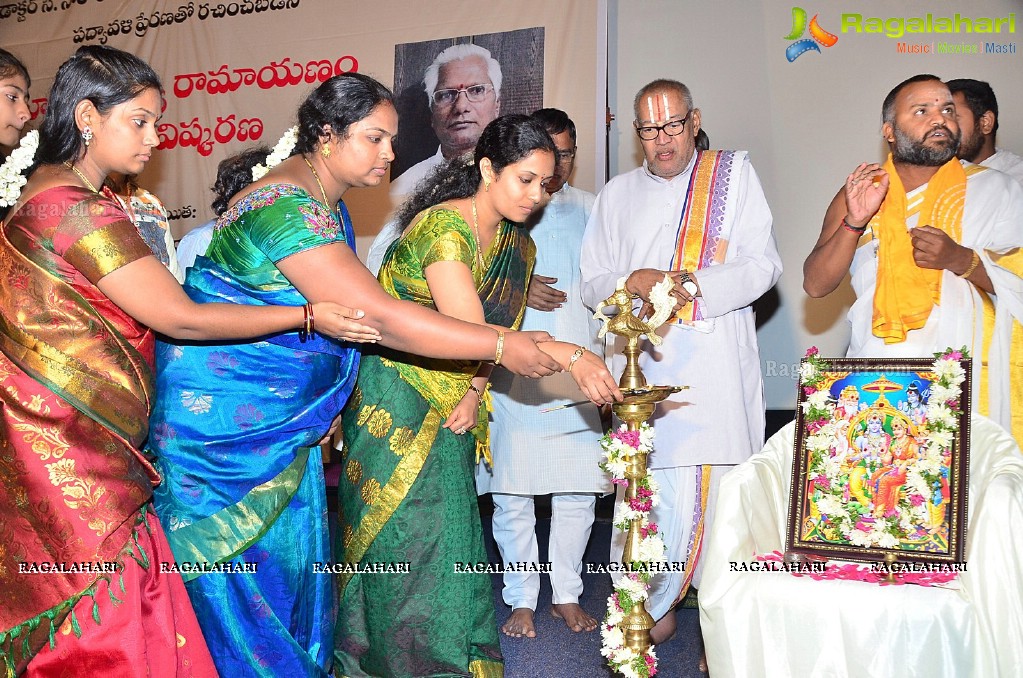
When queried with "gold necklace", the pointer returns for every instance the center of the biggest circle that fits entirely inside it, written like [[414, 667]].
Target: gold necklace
[[476, 229], [316, 176], [81, 176]]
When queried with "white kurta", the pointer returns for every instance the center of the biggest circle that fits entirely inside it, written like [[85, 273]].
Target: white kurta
[[400, 189], [720, 419], [194, 244], [558, 451], [406, 183], [992, 224], [1006, 161]]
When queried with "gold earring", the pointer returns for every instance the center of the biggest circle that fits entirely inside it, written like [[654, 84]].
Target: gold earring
[[87, 135], [486, 185], [325, 151]]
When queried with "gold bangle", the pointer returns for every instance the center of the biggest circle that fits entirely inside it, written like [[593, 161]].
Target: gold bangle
[[974, 263], [479, 393], [500, 348], [575, 356]]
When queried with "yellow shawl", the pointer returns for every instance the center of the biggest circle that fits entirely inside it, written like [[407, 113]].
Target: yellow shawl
[[906, 293]]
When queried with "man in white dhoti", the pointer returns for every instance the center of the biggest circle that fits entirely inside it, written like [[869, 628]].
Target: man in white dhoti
[[555, 453], [932, 244], [703, 219], [464, 87], [977, 114]]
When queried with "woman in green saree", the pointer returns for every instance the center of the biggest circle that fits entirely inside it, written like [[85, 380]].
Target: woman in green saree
[[407, 497]]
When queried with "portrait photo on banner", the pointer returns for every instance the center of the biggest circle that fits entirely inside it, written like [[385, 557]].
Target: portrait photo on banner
[[435, 124]]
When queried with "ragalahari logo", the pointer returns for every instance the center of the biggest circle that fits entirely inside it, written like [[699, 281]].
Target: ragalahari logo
[[817, 35]]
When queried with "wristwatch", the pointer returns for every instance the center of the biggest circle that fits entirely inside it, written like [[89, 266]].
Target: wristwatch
[[687, 283]]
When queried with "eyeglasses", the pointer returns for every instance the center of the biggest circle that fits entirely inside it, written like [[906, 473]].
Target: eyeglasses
[[565, 155], [474, 93], [672, 129]]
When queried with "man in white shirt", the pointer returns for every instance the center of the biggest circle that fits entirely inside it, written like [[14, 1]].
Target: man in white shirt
[[703, 219], [464, 87], [557, 452], [977, 114]]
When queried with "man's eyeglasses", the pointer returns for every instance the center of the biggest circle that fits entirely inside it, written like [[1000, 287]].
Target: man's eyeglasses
[[565, 155], [474, 93], [672, 129]]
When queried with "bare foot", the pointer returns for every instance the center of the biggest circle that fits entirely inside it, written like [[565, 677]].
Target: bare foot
[[575, 617], [520, 624], [664, 629]]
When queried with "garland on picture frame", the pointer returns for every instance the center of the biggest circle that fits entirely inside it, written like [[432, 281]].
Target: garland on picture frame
[[924, 475]]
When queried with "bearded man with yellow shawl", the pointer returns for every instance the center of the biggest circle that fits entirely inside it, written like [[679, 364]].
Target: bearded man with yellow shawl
[[933, 247]]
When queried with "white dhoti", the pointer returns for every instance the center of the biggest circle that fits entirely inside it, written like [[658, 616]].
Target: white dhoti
[[683, 515]]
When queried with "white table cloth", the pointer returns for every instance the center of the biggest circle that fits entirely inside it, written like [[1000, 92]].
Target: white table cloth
[[777, 624]]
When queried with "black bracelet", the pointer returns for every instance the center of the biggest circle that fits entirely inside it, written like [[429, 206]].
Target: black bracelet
[[858, 230]]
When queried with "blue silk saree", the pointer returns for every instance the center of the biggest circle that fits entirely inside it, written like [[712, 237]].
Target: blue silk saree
[[235, 430]]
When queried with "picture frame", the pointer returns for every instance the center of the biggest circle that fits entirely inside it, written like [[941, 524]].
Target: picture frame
[[881, 460]]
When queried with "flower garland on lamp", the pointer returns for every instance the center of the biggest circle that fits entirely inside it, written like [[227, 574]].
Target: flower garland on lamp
[[281, 152], [923, 475], [619, 446], [12, 172]]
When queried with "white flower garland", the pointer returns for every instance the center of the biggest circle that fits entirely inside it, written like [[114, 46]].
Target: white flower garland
[[12, 172], [281, 152], [922, 474], [633, 587]]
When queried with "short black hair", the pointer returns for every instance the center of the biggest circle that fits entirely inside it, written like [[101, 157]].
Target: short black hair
[[555, 121], [978, 95], [888, 107]]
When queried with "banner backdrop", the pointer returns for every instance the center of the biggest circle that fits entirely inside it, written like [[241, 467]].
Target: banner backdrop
[[234, 73]]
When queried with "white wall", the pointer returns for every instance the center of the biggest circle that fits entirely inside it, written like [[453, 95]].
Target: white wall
[[806, 124]]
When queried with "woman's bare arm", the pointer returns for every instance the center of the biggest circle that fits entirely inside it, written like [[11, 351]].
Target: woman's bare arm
[[146, 290], [334, 272]]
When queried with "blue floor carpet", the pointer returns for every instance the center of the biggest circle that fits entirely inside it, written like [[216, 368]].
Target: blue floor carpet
[[558, 652]]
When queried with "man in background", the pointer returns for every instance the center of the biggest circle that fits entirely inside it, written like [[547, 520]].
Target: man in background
[[557, 452], [977, 114]]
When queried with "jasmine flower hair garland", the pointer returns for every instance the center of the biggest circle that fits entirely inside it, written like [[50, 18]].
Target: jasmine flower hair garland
[[281, 152], [12, 172]]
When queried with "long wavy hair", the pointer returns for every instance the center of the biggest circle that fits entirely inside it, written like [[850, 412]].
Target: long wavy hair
[[103, 75], [506, 140]]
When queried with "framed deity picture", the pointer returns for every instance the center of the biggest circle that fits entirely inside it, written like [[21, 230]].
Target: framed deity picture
[[881, 459]]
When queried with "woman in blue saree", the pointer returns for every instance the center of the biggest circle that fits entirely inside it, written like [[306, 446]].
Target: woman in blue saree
[[235, 426]]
